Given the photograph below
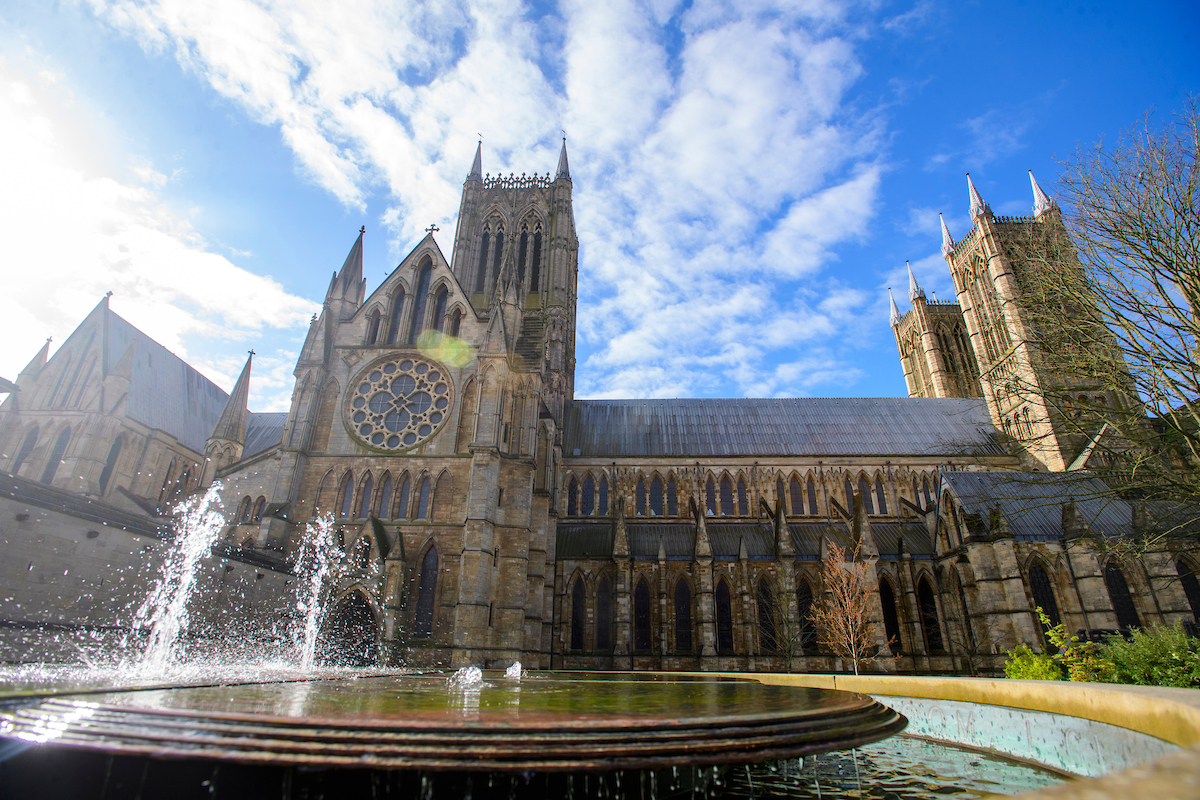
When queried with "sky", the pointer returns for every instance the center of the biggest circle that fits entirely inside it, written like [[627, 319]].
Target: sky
[[749, 177]]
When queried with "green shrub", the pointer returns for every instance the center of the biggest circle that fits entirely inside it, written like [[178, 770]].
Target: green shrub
[[1082, 660], [1161, 656], [1028, 665]]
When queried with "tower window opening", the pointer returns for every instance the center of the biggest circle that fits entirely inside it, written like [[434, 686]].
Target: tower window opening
[[497, 254], [522, 249], [536, 264], [481, 272]]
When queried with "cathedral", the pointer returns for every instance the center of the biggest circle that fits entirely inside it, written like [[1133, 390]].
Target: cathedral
[[483, 515]]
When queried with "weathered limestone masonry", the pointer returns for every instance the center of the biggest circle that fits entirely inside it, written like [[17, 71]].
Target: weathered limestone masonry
[[483, 515], [72, 565]]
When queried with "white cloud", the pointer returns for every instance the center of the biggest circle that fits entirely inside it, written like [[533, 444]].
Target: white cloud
[[716, 161], [72, 233]]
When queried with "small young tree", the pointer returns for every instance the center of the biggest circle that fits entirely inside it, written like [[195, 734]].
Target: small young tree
[[842, 617]]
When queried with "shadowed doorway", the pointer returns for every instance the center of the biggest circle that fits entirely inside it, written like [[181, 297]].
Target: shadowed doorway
[[348, 637]]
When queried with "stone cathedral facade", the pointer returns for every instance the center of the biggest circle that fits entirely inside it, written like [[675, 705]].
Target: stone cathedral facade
[[484, 515]]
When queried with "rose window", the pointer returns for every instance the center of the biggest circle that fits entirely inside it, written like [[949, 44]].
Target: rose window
[[398, 402]]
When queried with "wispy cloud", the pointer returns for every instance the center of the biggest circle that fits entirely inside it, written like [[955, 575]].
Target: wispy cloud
[[717, 162]]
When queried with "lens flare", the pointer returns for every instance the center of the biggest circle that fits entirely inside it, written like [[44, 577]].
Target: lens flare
[[447, 349]]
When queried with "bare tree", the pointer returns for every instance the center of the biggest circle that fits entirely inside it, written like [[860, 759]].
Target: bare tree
[[1111, 288], [842, 617]]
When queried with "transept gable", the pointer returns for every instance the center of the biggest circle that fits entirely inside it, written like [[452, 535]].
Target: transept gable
[[404, 276]]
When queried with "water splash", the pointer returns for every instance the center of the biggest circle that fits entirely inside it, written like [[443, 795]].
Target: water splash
[[514, 672], [465, 679], [312, 567], [164, 611]]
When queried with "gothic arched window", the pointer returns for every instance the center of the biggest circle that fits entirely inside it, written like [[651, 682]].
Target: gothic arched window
[[880, 496], [925, 490], [603, 614], [589, 496], [439, 310], [373, 327], [423, 508], [384, 510], [641, 616], [420, 298], [536, 266], [797, 496], [87, 376], [402, 504], [812, 497], [849, 496], [426, 595], [347, 495], [640, 498], [572, 495], [260, 505], [26, 448], [243, 514], [672, 503], [656, 497], [110, 464], [683, 617], [497, 254], [393, 334], [522, 250], [891, 620], [603, 495], [929, 616], [365, 496], [481, 271], [743, 500], [864, 489], [726, 496], [56, 455], [724, 618], [455, 322], [710, 498], [1122, 600], [578, 615], [766, 617], [1043, 592], [804, 607]]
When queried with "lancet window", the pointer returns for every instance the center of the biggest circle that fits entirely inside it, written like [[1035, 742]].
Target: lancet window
[[426, 595], [656, 497], [402, 503], [439, 310], [1043, 593], [603, 495], [420, 298], [603, 614], [891, 620], [929, 616], [804, 608], [743, 500], [110, 464], [26, 448], [423, 509], [1191, 587], [864, 489], [365, 495], [1122, 600], [536, 265], [589, 496], [578, 615], [797, 495], [683, 617], [672, 501], [726, 496], [640, 498], [880, 496], [384, 510], [812, 497], [56, 454], [641, 616], [393, 334], [724, 618], [766, 617]]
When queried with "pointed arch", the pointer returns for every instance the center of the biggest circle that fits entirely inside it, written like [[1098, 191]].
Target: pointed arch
[[396, 316], [535, 268], [640, 497], [572, 497], [325, 493], [56, 454], [578, 613], [880, 496], [346, 495], [87, 376], [426, 594], [804, 608], [366, 493], [849, 487], [656, 496], [724, 617], [325, 414], [743, 502], [1042, 589], [420, 299], [672, 497], [710, 498], [589, 496], [468, 410], [641, 616], [864, 489], [1122, 600], [683, 616], [481, 268], [1191, 587], [812, 496], [727, 507], [243, 513], [443, 498], [604, 495], [603, 613], [439, 309], [403, 497], [927, 602], [27, 445], [891, 620], [423, 498], [384, 508], [260, 505], [373, 319], [522, 253], [766, 616], [497, 255], [797, 495]]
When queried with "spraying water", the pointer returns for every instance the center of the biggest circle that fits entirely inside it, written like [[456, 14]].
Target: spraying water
[[514, 672], [312, 567], [164, 610]]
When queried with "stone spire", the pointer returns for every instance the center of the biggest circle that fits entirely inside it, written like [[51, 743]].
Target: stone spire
[[347, 282], [978, 207], [563, 171], [476, 173], [947, 240], [38, 362], [231, 427], [915, 292], [1041, 200], [895, 317]]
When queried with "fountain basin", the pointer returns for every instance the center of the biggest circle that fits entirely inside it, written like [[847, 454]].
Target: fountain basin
[[548, 722]]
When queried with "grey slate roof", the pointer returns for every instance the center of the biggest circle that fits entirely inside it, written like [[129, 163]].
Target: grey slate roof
[[165, 392], [1032, 502], [782, 426], [582, 541], [263, 430]]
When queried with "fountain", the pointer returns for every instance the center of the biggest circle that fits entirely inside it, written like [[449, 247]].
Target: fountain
[[304, 730]]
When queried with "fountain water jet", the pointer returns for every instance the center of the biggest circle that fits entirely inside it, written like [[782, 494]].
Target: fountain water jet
[[164, 610], [312, 567]]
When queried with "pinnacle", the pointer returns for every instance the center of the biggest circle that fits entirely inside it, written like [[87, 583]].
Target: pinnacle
[[915, 292], [978, 207], [895, 316], [1041, 200], [563, 170], [947, 240]]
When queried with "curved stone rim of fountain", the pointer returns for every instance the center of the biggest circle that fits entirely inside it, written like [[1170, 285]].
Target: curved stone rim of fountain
[[397, 722]]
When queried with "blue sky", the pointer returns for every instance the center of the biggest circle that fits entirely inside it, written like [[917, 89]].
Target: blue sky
[[749, 177]]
